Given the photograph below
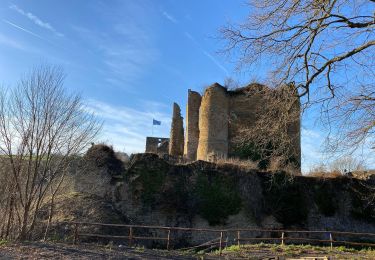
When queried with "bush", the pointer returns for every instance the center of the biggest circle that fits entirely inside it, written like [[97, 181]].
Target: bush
[[217, 197], [326, 199], [102, 155], [285, 199]]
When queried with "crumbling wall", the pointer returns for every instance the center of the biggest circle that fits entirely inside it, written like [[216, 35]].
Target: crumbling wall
[[176, 144], [192, 125], [157, 145], [294, 131], [213, 123], [243, 104]]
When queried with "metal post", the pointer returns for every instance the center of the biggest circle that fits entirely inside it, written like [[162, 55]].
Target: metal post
[[75, 239], [282, 238], [169, 236], [221, 242], [238, 239], [130, 236], [331, 240]]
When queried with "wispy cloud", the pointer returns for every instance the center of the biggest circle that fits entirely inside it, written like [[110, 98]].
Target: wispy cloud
[[169, 17], [206, 53], [126, 128], [36, 20], [23, 29], [127, 49]]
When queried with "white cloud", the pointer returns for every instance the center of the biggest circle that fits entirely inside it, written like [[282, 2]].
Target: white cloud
[[169, 17], [36, 20], [126, 128]]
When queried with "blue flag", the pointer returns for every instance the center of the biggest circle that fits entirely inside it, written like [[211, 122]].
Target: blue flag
[[156, 122]]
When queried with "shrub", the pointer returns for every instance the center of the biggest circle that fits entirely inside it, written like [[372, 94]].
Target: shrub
[[217, 197], [285, 199], [325, 199], [102, 155]]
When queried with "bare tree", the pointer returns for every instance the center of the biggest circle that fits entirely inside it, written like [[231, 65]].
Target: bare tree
[[326, 49], [274, 137], [42, 129], [346, 164]]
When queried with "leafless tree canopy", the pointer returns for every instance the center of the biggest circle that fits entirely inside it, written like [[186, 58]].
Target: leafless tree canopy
[[41, 130], [324, 47]]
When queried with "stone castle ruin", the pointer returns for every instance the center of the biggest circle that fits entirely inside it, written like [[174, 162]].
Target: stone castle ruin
[[215, 119]]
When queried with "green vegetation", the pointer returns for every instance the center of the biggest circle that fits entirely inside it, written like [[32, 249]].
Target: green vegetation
[[285, 199], [326, 198], [362, 204], [218, 197], [250, 151], [3, 242], [148, 185], [269, 250]]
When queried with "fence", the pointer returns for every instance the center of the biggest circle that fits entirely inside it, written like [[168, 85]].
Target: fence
[[222, 240]]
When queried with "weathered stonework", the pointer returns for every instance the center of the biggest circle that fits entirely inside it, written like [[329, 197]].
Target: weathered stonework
[[213, 124], [216, 119], [157, 145], [192, 125], [176, 144], [224, 113]]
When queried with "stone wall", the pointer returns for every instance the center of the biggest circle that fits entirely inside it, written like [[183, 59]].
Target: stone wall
[[192, 125], [213, 123], [157, 145], [243, 105], [176, 143]]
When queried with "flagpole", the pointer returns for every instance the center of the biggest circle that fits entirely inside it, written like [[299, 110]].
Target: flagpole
[[152, 129]]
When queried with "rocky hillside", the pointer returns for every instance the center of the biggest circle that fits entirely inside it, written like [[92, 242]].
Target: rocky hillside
[[151, 191]]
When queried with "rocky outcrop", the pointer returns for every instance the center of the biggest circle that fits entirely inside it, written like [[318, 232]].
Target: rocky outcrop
[[207, 195]]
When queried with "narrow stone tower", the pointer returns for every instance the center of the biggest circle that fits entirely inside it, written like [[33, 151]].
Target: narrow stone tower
[[176, 143], [192, 125], [213, 123]]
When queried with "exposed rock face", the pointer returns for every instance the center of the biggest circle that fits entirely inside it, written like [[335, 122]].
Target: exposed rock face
[[192, 125], [176, 143], [206, 195], [213, 124]]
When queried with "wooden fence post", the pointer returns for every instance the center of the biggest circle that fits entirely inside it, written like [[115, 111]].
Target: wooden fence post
[[169, 237], [75, 238], [130, 236], [282, 238], [238, 239], [331, 240], [221, 242]]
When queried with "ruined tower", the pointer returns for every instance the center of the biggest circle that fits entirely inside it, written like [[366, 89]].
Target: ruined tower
[[192, 125], [176, 143], [213, 123]]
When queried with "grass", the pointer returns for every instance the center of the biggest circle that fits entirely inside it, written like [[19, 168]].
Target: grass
[[3, 242], [267, 250]]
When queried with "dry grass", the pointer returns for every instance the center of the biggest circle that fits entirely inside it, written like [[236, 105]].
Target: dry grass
[[243, 164], [324, 174]]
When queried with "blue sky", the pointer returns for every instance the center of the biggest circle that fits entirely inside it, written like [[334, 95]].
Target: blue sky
[[130, 59]]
